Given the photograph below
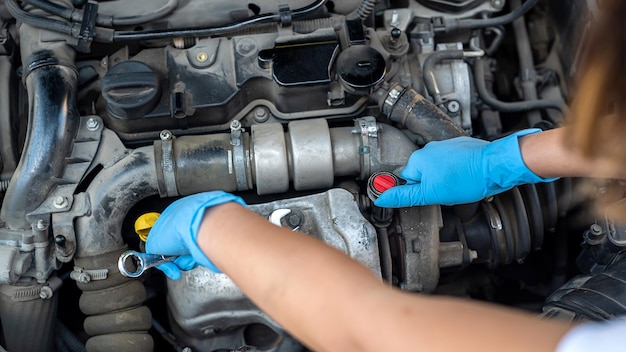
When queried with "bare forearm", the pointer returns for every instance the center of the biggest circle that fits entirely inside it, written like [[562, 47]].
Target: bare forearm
[[547, 155], [299, 281], [331, 302]]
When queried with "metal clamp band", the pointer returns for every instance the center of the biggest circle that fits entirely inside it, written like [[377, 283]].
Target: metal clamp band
[[167, 164]]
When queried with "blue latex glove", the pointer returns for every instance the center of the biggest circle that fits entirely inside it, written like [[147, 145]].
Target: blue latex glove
[[461, 170], [176, 230]]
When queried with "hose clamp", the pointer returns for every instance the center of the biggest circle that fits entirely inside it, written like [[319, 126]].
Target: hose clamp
[[367, 129], [168, 167], [238, 157]]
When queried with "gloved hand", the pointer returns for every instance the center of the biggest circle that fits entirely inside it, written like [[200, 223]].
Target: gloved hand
[[461, 170], [176, 231]]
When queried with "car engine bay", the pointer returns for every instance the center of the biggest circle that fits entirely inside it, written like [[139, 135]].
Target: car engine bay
[[111, 110]]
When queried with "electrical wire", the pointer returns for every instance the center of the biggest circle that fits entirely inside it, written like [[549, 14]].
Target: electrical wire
[[124, 36], [107, 35]]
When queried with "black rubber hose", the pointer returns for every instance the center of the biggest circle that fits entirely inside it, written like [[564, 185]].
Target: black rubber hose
[[38, 21], [52, 125], [57, 10], [521, 106], [429, 70], [163, 11], [125, 36], [8, 116], [453, 24], [417, 114], [75, 15]]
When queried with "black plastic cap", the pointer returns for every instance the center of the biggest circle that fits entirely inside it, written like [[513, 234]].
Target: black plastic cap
[[130, 89]]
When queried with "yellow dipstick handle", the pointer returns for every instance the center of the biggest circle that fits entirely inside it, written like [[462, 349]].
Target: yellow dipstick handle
[[144, 223]]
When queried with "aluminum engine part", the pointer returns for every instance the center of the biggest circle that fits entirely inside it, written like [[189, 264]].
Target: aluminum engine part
[[204, 303]]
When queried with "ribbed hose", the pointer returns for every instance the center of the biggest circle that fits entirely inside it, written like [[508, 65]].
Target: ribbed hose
[[4, 185], [67, 337], [599, 296], [364, 11], [117, 320]]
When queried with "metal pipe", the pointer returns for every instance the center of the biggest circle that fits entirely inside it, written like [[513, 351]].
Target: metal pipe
[[309, 155], [429, 70], [528, 75], [453, 24], [518, 106]]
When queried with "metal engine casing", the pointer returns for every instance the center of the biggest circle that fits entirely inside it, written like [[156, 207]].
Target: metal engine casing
[[204, 303]]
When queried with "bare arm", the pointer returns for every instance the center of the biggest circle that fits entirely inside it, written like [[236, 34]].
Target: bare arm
[[330, 302], [547, 155]]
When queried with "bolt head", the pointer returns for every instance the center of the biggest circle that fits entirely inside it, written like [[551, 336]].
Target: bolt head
[[92, 124], [60, 202], [454, 106], [41, 225], [202, 57], [165, 135], [260, 114], [46, 292], [235, 125]]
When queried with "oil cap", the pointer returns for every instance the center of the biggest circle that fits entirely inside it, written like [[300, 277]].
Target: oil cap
[[380, 182], [144, 223], [130, 89]]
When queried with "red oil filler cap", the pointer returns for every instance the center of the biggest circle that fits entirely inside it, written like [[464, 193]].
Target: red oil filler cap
[[380, 182]]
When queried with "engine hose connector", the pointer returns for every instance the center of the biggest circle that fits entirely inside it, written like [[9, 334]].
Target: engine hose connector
[[309, 155], [420, 116]]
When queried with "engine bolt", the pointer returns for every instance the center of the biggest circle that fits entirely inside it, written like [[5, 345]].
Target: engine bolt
[[454, 106], [41, 225], [60, 240], [496, 3], [596, 229], [46, 292], [261, 115], [60, 202], [235, 125], [92, 124], [165, 135], [202, 56]]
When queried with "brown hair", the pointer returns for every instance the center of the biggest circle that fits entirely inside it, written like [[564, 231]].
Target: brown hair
[[598, 111]]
